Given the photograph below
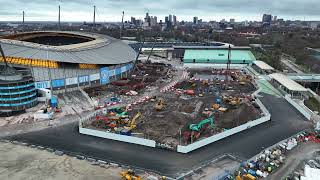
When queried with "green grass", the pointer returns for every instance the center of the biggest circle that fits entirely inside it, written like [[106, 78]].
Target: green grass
[[313, 104]]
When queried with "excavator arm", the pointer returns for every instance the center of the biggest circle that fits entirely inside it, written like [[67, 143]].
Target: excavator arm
[[199, 126], [133, 122]]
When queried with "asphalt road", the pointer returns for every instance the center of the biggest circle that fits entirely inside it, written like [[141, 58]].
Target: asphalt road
[[286, 121]]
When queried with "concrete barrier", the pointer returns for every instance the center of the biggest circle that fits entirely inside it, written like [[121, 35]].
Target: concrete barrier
[[217, 137], [303, 111], [118, 137]]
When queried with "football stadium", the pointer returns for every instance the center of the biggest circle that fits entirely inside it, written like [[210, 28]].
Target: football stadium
[[62, 60], [59, 62]]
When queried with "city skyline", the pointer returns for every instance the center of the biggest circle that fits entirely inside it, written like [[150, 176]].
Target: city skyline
[[111, 10]]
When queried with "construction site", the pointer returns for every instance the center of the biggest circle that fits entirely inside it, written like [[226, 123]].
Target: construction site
[[175, 107]]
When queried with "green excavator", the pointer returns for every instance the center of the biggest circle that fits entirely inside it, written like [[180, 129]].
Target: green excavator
[[199, 126]]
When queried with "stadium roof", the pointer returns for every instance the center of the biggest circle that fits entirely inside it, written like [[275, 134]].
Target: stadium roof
[[262, 65], [102, 50], [218, 55], [288, 83]]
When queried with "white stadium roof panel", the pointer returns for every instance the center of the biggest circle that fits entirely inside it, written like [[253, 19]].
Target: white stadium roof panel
[[262, 65], [288, 83], [102, 50]]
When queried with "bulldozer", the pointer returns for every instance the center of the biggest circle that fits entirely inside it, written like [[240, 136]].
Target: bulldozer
[[130, 175], [133, 124], [160, 105]]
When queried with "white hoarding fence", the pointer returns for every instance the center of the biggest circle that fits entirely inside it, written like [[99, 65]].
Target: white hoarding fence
[[118, 137], [296, 105], [217, 137], [112, 136]]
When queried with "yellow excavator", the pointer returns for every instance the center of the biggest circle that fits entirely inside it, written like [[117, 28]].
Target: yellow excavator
[[243, 80], [232, 100], [133, 124], [160, 105], [130, 175]]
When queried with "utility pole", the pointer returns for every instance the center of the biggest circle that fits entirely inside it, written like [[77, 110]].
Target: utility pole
[[59, 24], [228, 64], [94, 16], [122, 25]]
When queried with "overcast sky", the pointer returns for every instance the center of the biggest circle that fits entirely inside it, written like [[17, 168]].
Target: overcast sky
[[110, 10]]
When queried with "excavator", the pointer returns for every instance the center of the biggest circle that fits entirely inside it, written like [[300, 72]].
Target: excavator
[[232, 100], [160, 105], [130, 175], [243, 80], [133, 124], [200, 125]]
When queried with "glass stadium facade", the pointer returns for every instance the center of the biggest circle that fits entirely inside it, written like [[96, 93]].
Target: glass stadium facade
[[18, 95]]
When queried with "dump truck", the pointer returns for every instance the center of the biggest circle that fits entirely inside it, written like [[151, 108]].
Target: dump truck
[[200, 125], [130, 175]]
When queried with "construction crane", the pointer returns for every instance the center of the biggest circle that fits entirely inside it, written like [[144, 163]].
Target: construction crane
[[138, 55], [133, 124], [8, 71], [153, 45], [3, 56]]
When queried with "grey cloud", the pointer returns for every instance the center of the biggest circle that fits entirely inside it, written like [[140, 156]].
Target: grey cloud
[[205, 8]]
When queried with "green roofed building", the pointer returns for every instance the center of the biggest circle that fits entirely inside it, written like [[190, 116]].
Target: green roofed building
[[218, 56]]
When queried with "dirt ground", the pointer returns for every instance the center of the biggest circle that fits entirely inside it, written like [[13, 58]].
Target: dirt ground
[[25, 163], [171, 125], [145, 75]]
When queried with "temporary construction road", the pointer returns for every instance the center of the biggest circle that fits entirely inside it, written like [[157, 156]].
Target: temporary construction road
[[286, 121]]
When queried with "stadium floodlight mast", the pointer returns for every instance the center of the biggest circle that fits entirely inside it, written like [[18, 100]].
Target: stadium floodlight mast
[[59, 19], [94, 16], [122, 25]]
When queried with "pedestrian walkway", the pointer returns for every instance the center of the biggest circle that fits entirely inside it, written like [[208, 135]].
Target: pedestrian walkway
[[252, 71], [267, 88]]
